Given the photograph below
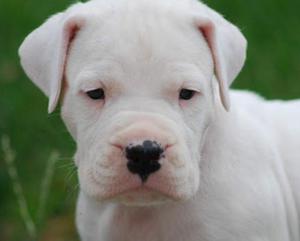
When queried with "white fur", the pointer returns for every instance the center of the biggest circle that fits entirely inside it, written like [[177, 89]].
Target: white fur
[[225, 175]]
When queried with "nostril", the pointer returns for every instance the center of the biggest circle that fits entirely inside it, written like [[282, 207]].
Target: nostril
[[168, 146], [152, 149], [117, 146]]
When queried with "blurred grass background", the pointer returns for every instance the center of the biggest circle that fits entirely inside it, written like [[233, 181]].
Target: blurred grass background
[[272, 69]]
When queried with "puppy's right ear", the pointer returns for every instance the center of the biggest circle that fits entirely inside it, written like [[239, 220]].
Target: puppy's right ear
[[44, 52]]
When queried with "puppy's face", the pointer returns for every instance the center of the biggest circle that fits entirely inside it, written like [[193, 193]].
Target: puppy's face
[[138, 94], [138, 102]]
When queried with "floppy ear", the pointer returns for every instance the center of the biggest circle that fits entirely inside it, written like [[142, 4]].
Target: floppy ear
[[44, 52], [228, 47]]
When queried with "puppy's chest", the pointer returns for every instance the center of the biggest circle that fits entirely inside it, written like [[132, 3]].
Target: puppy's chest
[[149, 225], [129, 226]]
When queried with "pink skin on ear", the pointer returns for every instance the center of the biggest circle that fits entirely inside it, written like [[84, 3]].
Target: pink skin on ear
[[228, 48], [209, 33], [44, 53], [70, 29]]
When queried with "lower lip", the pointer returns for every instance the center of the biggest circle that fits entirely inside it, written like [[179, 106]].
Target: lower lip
[[140, 192], [142, 195]]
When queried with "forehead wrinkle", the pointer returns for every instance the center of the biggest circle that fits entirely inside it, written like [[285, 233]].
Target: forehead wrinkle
[[152, 57], [183, 75], [107, 74]]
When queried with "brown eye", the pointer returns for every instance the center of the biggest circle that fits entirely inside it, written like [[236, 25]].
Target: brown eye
[[96, 94], [186, 94]]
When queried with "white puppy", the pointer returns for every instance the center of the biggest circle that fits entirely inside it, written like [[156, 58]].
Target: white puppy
[[161, 155]]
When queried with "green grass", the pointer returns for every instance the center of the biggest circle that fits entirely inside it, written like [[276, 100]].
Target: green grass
[[272, 69]]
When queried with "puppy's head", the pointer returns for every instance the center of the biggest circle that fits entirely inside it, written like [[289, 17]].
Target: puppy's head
[[139, 95]]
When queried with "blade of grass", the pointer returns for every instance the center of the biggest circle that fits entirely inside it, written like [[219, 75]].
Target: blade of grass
[[45, 186], [9, 158]]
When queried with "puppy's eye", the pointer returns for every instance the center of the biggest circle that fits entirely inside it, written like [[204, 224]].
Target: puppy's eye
[[96, 94], [186, 94]]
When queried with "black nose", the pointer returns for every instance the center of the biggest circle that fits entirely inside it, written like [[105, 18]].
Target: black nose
[[143, 159]]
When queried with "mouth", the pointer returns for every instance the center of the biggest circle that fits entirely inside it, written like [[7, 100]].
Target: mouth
[[141, 196]]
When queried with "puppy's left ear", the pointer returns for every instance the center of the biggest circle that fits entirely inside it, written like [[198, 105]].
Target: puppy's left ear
[[44, 52], [228, 47]]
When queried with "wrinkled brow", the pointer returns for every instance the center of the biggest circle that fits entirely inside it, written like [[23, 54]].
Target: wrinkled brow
[[101, 75], [184, 75]]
